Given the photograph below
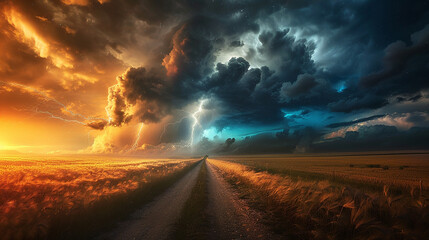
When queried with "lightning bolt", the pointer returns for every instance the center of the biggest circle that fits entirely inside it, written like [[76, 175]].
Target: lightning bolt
[[60, 118], [108, 114], [196, 122], [136, 142], [169, 124], [48, 98]]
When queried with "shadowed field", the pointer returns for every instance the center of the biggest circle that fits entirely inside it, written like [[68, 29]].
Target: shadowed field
[[237, 197], [304, 205], [72, 198], [401, 171]]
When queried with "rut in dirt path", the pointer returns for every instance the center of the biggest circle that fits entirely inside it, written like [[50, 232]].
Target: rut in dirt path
[[156, 219], [231, 217]]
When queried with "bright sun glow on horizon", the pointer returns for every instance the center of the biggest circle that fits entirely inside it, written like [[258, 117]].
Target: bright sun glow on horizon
[[199, 77]]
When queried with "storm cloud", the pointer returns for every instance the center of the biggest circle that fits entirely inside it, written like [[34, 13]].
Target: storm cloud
[[302, 85], [344, 124], [286, 66], [219, 69]]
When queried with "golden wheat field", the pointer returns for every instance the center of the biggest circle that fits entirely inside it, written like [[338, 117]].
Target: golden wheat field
[[304, 208], [36, 190], [400, 170]]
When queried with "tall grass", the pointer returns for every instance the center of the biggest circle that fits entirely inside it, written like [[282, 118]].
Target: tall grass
[[320, 210], [64, 198], [402, 172]]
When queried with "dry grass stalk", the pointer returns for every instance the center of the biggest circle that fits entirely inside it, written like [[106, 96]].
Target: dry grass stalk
[[34, 191], [320, 210]]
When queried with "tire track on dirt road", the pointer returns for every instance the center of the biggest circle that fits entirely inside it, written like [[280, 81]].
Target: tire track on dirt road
[[156, 219], [231, 217]]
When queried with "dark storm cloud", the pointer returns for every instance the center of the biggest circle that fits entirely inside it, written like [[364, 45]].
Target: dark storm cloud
[[98, 125], [150, 89], [418, 118], [281, 142], [397, 55], [355, 35], [412, 99], [302, 85], [191, 58], [415, 98], [367, 138], [229, 141], [345, 124], [256, 95], [207, 27], [294, 56], [329, 56], [236, 43], [353, 103], [247, 95], [193, 47], [378, 137], [225, 147], [141, 86]]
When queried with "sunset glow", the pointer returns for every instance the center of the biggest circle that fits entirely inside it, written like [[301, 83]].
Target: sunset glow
[[214, 119], [74, 82]]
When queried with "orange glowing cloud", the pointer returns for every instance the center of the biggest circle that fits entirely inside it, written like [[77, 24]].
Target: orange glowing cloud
[[114, 139], [54, 80], [76, 2], [103, 1], [341, 132], [170, 61], [118, 109], [81, 2], [27, 34]]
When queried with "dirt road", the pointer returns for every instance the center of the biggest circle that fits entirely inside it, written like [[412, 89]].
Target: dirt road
[[156, 219], [231, 217]]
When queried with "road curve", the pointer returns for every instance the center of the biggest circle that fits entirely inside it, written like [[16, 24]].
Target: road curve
[[156, 219], [231, 217]]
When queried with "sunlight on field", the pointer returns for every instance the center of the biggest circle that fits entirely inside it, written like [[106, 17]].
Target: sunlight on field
[[33, 189], [318, 209], [402, 170]]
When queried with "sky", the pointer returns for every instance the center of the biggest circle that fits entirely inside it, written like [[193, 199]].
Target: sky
[[181, 77]]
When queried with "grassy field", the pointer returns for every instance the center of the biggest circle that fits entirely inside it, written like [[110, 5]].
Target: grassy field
[[67, 197], [306, 202], [400, 171], [347, 196]]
